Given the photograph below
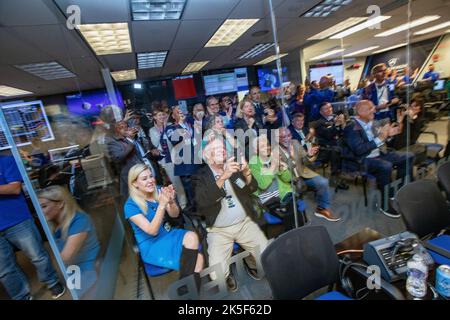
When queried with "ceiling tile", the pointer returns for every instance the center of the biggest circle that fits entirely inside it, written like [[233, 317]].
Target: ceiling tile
[[99, 11], [150, 36]]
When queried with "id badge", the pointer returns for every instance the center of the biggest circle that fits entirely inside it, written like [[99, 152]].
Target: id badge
[[167, 226]]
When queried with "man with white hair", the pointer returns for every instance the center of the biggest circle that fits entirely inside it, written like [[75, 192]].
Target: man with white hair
[[363, 143]]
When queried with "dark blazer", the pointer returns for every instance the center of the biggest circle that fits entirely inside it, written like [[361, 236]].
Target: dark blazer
[[295, 134], [208, 196], [356, 146], [123, 154], [370, 93], [327, 133]]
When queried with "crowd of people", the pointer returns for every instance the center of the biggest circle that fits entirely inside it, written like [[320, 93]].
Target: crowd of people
[[226, 162]]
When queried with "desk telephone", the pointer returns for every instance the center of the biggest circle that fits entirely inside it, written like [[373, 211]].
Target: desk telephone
[[392, 253]]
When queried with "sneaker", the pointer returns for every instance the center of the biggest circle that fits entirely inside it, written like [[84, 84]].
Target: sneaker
[[253, 273], [325, 214], [57, 290], [390, 212], [231, 283]]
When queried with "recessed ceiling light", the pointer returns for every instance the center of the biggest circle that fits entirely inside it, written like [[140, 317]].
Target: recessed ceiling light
[[107, 38], [195, 66], [142, 10], [407, 26], [327, 54], [351, 54], [325, 8], [47, 70], [124, 75], [137, 85], [270, 59], [359, 27], [230, 31], [256, 50], [337, 28], [147, 60], [6, 91], [390, 48], [434, 28]]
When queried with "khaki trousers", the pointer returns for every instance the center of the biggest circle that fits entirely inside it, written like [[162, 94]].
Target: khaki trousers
[[245, 233]]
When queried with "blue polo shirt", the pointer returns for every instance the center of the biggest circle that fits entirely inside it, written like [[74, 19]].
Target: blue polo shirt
[[13, 208]]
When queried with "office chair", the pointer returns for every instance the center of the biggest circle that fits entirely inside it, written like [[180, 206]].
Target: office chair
[[443, 174], [425, 213], [304, 260]]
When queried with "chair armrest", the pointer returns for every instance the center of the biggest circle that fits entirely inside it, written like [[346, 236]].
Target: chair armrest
[[389, 289], [434, 134]]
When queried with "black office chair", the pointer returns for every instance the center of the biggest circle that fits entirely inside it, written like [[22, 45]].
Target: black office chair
[[425, 213], [304, 260], [443, 174]]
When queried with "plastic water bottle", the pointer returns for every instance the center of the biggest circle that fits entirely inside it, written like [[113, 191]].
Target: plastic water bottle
[[416, 284]]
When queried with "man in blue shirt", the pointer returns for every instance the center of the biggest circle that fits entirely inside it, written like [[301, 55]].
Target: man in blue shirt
[[18, 231], [431, 74]]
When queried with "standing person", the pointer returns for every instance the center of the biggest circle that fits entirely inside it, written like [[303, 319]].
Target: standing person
[[431, 74], [17, 230], [223, 191], [74, 233], [161, 141], [182, 137], [266, 116], [381, 94]]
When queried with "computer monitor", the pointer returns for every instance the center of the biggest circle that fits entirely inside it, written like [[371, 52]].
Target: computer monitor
[[439, 85], [62, 154]]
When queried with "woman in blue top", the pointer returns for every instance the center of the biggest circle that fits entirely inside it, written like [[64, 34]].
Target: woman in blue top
[[158, 242], [74, 233]]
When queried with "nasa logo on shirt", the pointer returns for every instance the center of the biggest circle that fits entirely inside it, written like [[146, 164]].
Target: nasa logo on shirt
[[167, 226]]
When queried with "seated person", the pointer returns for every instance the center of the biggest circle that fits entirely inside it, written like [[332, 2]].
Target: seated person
[[74, 233], [362, 146], [159, 243], [222, 190], [297, 127], [328, 131], [274, 179], [299, 159]]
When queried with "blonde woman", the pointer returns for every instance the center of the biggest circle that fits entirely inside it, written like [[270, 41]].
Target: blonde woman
[[74, 233], [158, 242]]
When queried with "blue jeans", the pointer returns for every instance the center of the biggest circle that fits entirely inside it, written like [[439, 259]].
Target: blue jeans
[[381, 167], [25, 237], [320, 186]]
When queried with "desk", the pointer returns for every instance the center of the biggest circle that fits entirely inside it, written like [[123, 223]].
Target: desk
[[352, 248]]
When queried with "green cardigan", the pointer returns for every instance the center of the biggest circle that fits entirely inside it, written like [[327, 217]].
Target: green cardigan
[[265, 180]]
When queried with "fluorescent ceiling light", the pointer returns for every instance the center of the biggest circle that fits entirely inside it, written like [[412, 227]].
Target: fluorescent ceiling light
[[230, 31], [434, 28], [350, 22], [325, 8], [107, 38], [47, 70], [327, 54], [407, 26], [195, 66], [256, 50], [361, 51], [270, 59], [359, 27], [6, 91], [390, 48], [147, 60], [124, 75], [142, 10]]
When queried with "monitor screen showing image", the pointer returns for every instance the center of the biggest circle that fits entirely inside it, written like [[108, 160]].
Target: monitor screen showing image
[[91, 103], [337, 71], [26, 121], [269, 80], [439, 85]]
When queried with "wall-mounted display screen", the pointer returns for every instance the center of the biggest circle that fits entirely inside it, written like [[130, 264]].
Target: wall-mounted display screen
[[26, 120], [91, 103], [317, 72], [226, 82], [269, 80]]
